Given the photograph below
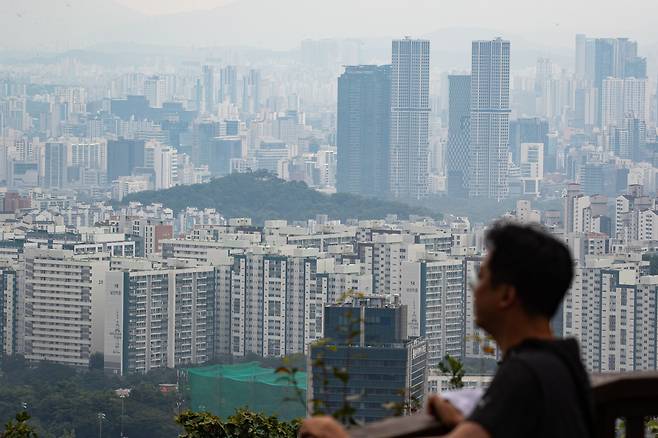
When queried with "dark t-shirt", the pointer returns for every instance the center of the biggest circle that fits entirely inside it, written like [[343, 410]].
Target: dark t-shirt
[[540, 390]]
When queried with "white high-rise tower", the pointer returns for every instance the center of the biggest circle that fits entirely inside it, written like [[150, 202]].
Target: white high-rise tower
[[410, 110], [490, 111]]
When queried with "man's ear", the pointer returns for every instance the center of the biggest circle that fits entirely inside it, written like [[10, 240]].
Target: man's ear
[[507, 296]]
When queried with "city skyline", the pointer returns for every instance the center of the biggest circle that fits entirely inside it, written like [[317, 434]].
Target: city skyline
[[194, 194]]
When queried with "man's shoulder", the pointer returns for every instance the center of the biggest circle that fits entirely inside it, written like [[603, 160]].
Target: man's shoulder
[[552, 361]]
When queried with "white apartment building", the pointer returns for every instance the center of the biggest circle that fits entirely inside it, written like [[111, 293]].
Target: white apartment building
[[157, 318], [433, 290], [61, 290], [275, 302], [611, 310], [621, 97]]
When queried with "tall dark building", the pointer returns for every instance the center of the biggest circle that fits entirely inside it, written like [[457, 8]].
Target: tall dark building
[[232, 127], [459, 116], [530, 130], [369, 341], [9, 316], [604, 60], [55, 162], [363, 130], [222, 150], [204, 133], [636, 67], [615, 58], [123, 156], [592, 178], [209, 93], [629, 140]]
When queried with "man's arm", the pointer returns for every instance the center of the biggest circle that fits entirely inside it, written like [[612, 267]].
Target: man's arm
[[327, 427], [468, 429], [454, 419]]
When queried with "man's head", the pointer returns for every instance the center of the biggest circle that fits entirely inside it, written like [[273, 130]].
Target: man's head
[[526, 274]]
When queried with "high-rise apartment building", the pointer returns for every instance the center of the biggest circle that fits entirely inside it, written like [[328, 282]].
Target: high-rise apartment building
[[623, 97], [251, 92], [228, 85], [271, 304], [155, 89], [490, 111], [611, 310], [410, 110], [363, 129], [88, 155], [459, 132], [433, 291], [156, 318], [61, 293]]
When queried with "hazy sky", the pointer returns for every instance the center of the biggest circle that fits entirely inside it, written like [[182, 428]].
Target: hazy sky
[[282, 24], [547, 19], [153, 7]]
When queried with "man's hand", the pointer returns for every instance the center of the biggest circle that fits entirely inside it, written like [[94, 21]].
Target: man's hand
[[322, 427], [441, 408]]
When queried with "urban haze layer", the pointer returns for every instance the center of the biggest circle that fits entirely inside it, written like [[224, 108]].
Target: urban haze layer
[[172, 206]]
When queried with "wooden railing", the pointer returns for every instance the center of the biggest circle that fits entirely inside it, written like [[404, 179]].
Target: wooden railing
[[632, 397]]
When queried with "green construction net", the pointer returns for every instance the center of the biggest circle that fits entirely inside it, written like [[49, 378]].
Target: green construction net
[[221, 389]]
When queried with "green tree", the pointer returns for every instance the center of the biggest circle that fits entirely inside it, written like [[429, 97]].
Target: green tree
[[20, 428], [261, 196], [242, 424], [455, 369]]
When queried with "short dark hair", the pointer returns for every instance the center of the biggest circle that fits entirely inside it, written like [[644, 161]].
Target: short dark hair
[[538, 265]]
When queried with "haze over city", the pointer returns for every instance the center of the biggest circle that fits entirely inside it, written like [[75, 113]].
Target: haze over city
[[303, 218]]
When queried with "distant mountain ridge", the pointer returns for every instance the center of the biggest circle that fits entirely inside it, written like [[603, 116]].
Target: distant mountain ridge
[[262, 196], [49, 26], [279, 24]]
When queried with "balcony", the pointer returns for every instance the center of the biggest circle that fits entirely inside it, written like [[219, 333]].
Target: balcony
[[632, 397]]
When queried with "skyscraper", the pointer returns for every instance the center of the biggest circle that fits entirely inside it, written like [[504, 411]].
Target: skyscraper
[[55, 163], [123, 156], [251, 92], [363, 129], [229, 84], [614, 58], [383, 363], [581, 56], [490, 111], [410, 109], [459, 114], [209, 93]]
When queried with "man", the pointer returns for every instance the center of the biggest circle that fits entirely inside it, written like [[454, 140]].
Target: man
[[541, 388]]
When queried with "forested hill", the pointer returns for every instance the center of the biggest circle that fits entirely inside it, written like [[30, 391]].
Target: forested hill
[[261, 196]]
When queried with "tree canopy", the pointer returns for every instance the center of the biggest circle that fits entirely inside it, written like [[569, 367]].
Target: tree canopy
[[261, 196], [65, 402]]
